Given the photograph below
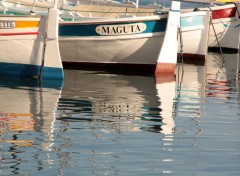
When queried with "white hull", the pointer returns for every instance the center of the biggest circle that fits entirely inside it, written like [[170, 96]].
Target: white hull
[[194, 35], [116, 47], [139, 50], [224, 30], [22, 45], [195, 48], [224, 36], [29, 46], [134, 49]]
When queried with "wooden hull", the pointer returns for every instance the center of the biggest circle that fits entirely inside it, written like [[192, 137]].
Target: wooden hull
[[195, 30], [141, 48], [28, 46], [224, 29], [85, 47], [21, 45]]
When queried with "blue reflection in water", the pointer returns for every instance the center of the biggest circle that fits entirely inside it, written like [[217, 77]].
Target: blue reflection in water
[[26, 115], [112, 124]]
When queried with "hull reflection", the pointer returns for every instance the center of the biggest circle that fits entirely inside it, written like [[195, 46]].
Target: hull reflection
[[27, 107], [119, 102], [222, 74]]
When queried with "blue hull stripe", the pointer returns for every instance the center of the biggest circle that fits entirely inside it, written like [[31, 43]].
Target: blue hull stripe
[[25, 70], [85, 30]]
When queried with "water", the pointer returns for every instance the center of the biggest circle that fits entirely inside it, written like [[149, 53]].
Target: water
[[112, 124]]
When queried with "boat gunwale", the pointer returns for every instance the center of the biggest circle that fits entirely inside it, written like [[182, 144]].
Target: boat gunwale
[[115, 20]]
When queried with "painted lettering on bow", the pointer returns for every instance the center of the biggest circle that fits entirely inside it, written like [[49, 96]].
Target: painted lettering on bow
[[7, 24], [121, 29]]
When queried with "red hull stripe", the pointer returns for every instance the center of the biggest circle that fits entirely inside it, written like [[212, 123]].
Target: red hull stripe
[[224, 13], [19, 33]]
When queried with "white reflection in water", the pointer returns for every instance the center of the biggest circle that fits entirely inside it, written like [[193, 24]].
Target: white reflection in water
[[26, 108], [167, 105], [125, 124]]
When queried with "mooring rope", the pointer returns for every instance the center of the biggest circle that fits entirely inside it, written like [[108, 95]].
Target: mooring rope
[[220, 48], [181, 47], [179, 81], [179, 75]]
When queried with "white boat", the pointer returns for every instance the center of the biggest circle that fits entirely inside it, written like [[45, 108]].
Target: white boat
[[194, 37], [225, 27], [29, 46], [193, 44], [141, 43], [194, 25], [224, 31]]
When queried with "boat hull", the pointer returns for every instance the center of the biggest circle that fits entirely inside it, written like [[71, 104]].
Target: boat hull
[[21, 45], [25, 45], [141, 48], [226, 37], [194, 36], [224, 31], [135, 51]]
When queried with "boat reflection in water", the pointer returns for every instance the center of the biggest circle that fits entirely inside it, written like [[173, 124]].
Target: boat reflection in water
[[103, 123], [211, 90], [27, 108], [222, 75], [118, 102]]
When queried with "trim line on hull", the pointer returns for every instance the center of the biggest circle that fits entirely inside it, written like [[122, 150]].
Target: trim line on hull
[[30, 71], [124, 37], [223, 49], [19, 33], [195, 59], [144, 69]]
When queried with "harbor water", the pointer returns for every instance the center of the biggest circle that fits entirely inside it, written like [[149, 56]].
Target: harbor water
[[100, 123]]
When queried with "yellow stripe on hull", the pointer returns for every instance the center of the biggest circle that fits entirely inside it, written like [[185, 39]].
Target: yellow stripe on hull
[[27, 24]]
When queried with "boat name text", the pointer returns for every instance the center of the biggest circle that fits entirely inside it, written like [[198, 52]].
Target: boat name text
[[121, 29], [7, 24]]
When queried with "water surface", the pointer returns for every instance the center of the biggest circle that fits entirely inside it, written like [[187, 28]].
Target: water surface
[[102, 123]]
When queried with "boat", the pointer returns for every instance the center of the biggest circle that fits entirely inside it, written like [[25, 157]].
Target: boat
[[194, 25], [193, 43], [29, 46], [223, 28], [132, 43], [194, 36], [224, 31]]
